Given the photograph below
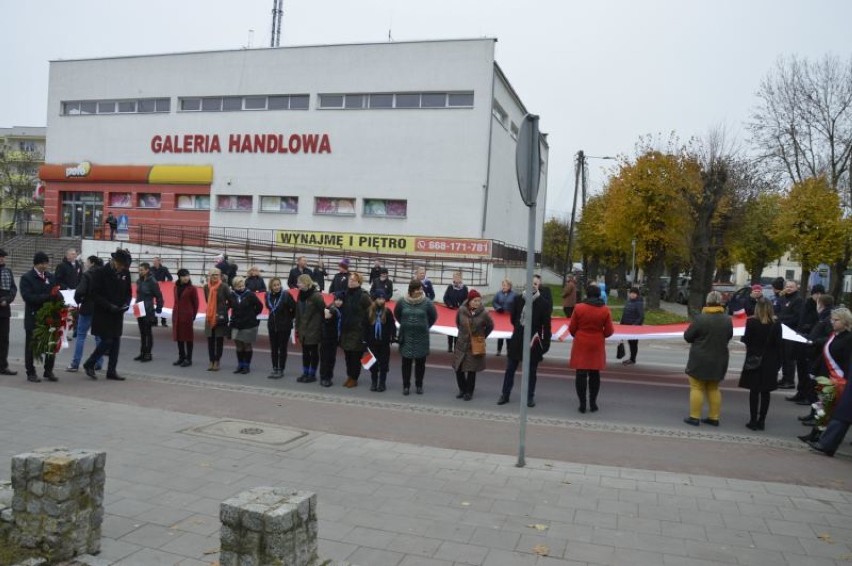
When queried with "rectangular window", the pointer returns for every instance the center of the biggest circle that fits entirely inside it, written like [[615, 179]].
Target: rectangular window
[[334, 206], [147, 105], [241, 203], [120, 200], [460, 100], [299, 102], [289, 205], [212, 104], [408, 100], [386, 208], [149, 200], [192, 202], [499, 113], [331, 101], [106, 107], [354, 101], [88, 107], [70, 108], [190, 104], [514, 129], [381, 101], [127, 106], [255, 103], [279, 102], [163, 105], [434, 100], [232, 103]]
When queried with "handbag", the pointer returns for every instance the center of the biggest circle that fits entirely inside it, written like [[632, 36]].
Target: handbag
[[477, 343], [619, 351], [753, 361]]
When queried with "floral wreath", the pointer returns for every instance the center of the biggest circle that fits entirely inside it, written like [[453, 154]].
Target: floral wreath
[[52, 323], [829, 390]]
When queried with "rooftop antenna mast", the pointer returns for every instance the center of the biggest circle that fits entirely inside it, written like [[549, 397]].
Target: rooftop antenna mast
[[277, 12]]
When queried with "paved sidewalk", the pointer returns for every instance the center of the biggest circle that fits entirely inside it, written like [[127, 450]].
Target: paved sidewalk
[[387, 503]]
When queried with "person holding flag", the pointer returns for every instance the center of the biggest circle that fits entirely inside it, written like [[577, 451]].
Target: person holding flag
[[380, 331]]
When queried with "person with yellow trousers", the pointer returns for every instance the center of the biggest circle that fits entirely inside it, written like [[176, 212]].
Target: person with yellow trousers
[[708, 335]]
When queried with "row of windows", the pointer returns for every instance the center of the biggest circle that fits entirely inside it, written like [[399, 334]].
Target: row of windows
[[271, 102], [382, 208], [397, 100], [140, 106], [503, 117]]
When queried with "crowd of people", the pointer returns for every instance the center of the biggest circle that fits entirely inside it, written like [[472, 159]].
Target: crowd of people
[[361, 324]]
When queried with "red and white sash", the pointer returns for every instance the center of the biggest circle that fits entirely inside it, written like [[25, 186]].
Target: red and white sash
[[834, 370]]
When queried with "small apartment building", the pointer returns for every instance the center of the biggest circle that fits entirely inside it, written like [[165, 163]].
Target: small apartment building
[[26, 143], [391, 147]]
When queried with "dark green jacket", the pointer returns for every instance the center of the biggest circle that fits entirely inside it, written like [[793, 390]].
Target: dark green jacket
[[709, 335], [310, 310], [353, 322], [415, 316]]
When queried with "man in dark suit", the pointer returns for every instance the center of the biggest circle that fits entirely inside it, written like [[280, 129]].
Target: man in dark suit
[[69, 271], [300, 269], [109, 289], [160, 273], [36, 285], [8, 291]]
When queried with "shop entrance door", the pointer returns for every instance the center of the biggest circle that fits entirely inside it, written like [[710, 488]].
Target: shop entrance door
[[82, 215]]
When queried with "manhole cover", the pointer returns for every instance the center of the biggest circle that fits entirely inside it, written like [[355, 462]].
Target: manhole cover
[[249, 432]]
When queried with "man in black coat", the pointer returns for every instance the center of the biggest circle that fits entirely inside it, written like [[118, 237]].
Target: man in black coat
[[36, 285], [375, 271], [301, 268], [147, 293], [789, 312], [69, 271], [541, 335], [110, 292], [160, 273], [8, 291], [808, 319], [340, 281]]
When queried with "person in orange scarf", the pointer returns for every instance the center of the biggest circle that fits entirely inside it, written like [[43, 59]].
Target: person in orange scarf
[[216, 292]]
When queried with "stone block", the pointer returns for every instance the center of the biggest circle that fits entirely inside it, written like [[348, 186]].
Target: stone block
[[36, 487], [279, 520], [228, 558], [35, 464], [58, 469], [229, 513]]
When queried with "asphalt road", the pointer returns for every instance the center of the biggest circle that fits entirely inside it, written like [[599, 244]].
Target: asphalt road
[[639, 424]]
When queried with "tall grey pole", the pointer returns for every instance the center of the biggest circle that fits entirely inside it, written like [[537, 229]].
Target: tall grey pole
[[528, 304], [633, 265]]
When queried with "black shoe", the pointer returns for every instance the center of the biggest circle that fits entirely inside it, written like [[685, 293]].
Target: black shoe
[[146, 358], [692, 422], [33, 378], [593, 407], [7, 371], [48, 375], [761, 425], [186, 363], [247, 370], [460, 395], [90, 371], [796, 397], [806, 417], [382, 387], [374, 387], [784, 385], [582, 409], [406, 390], [325, 383], [468, 396], [419, 390], [711, 422], [178, 362], [503, 400], [114, 377], [239, 370], [531, 403], [820, 448], [165, 325], [309, 379], [809, 422], [752, 425], [804, 402], [812, 436], [139, 358]]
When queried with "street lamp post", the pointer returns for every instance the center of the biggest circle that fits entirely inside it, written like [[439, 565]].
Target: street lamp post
[[633, 265], [580, 187]]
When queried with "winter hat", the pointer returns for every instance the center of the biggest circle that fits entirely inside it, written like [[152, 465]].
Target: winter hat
[[123, 256], [756, 288], [340, 295], [818, 288], [181, 272], [344, 262], [3, 253], [380, 294], [40, 257], [473, 294]]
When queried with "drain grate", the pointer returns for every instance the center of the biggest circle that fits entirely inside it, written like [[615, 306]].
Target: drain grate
[[249, 432]]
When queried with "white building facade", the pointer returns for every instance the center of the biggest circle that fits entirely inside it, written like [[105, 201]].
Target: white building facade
[[391, 147]]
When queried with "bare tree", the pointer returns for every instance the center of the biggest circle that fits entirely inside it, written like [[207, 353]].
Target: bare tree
[[18, 180], [802, 127]]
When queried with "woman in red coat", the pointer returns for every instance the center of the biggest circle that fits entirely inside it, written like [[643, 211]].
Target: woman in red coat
[[591, 325], [183, 317]]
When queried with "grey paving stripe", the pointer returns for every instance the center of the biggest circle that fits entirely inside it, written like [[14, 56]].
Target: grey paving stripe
[[567, 423]]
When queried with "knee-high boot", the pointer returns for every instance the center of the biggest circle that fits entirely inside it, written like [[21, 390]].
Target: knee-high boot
[[580, 382], [594, 388], [189, 346]]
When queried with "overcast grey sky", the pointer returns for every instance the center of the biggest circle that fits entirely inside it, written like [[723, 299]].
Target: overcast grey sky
[[599, 73]]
